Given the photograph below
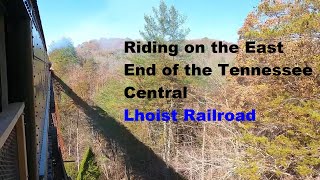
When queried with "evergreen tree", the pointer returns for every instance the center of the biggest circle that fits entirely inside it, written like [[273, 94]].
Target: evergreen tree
[[165, 25], [62, 55], [89, 168]]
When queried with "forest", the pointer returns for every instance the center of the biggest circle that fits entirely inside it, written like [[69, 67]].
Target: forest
[[282, 143]]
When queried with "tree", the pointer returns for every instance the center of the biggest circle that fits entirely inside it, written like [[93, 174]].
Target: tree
[[166, 25], [89, 168], [62, 55], [285, 141]]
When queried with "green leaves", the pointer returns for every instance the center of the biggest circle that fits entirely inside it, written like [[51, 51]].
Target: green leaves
[[63, 56], [88, 167], [165, 25]]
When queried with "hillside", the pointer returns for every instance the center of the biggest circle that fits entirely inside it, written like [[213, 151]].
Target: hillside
[[280, 140], [93, 87]]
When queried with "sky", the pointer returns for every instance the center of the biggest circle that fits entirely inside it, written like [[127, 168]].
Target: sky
[[83, 20]]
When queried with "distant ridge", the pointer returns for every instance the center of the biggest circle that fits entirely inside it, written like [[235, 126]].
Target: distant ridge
[[115, 44]]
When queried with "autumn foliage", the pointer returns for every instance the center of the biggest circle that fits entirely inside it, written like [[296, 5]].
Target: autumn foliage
[[285, 141]]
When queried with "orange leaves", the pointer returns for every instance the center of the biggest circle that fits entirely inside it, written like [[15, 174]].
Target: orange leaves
[[288, 103]]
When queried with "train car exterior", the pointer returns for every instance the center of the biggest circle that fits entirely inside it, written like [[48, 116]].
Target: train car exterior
[[25, 92]]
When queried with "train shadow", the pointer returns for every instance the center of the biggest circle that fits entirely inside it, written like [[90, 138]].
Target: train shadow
[[139, 157]]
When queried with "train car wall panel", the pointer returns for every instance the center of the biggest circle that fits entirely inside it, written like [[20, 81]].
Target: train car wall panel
[[35, 18], [40, 79], [38, 47], [25, 46], [39, 99], [43, 162]]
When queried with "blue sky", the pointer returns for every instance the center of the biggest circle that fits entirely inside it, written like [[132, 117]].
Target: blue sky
[[83, 20]]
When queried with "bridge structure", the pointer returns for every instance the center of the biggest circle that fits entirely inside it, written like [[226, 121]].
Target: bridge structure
[[28, 137]]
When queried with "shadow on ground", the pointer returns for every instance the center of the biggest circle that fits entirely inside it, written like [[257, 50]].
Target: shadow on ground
[[139, 157]]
